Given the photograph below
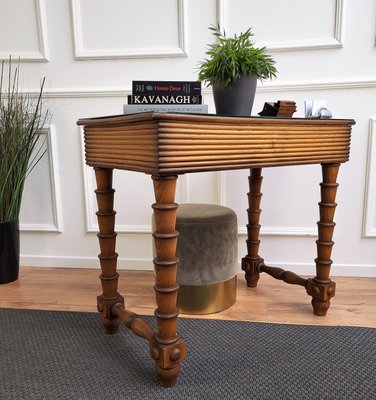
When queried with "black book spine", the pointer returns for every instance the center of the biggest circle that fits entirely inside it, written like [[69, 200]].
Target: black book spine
[[166, 87], [164, 99]]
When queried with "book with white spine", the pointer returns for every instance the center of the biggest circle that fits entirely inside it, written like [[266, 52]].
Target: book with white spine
[[183, 108]]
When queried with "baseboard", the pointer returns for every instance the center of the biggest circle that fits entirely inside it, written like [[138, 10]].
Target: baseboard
[[84, 262], [365, 270]]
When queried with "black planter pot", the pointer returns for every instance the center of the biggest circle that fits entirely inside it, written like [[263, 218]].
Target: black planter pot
[[9, 251], [236, 99]]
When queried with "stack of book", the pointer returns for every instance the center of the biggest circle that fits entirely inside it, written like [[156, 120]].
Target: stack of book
[[165, 96]]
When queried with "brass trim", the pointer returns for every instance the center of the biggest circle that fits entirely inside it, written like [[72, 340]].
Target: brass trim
[[207, 299]]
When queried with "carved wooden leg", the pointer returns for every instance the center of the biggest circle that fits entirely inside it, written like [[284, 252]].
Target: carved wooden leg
[[321, 288], [168, 350], [107, 257], [252, 261]]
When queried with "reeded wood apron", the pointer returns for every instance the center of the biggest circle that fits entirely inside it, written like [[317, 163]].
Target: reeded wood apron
[[166, 145]]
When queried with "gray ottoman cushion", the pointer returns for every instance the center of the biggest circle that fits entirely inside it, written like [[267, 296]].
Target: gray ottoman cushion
[[207, 245]]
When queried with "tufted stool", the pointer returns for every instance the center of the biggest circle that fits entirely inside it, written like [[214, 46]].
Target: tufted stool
[[207, 248]]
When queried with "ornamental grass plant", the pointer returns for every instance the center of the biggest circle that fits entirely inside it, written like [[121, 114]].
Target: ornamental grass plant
[[232, 57], [22, 117]]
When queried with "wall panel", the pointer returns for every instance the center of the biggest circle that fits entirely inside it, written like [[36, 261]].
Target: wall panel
[[42, 204], [291, 25], [126, 29], [24, 34]]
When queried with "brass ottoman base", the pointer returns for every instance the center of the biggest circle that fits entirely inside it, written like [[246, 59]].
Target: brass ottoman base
[[207, 299]]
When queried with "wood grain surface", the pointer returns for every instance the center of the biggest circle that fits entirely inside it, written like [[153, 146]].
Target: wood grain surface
[[71, 289]]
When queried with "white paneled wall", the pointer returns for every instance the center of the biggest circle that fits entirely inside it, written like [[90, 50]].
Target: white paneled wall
[[90, 51]]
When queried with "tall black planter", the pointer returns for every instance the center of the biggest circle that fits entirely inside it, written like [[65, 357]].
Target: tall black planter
[[237, 99], [9, 251]]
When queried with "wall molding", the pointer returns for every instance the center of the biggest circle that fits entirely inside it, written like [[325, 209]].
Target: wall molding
[[57, 225], [369, 215], [83, 54], [292, 45], [319, 85], [221, 188], [43, 54], [61, 93], [42, 31]]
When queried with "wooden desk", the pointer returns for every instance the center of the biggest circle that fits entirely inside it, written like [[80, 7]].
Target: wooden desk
[[167, 145]]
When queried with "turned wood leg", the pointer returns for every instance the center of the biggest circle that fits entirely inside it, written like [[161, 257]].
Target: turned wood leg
[[252, 261], [168, 350], [321, 288], [107, 256]]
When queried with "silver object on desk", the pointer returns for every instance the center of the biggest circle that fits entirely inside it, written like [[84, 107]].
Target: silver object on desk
[[323, 113], [317, 109]]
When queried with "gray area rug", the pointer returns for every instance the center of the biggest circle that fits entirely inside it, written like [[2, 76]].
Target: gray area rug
[[66, 355]]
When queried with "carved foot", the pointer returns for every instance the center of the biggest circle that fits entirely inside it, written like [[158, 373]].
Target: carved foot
[[252, 280], [251, 268], [320, 308], [168, 377], [168, 360], [111, 326], [321, 294]]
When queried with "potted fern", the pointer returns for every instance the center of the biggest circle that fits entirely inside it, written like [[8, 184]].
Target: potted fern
[[22, 118], [232, 69]]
